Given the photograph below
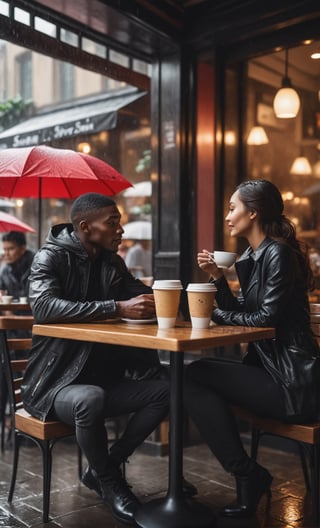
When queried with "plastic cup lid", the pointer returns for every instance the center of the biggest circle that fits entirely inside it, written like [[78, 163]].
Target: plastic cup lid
[[201, 287], [167, 285]]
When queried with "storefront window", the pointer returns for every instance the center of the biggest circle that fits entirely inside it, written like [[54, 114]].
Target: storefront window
[[288, 153], [69, 107]]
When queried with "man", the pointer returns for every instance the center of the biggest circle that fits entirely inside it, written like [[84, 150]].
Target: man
[[17, 261], [77, 276]]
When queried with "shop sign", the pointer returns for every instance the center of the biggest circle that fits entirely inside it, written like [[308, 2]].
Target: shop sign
[[88, 125]]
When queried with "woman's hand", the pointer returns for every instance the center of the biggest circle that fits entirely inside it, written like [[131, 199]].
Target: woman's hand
[[206, 263]]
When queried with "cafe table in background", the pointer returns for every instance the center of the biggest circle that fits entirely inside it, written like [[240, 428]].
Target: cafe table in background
[[174, 510], [14, 306]]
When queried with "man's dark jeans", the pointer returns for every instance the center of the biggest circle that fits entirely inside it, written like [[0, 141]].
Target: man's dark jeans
[[87, 406]]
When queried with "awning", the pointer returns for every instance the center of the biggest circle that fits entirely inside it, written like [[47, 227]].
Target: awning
[[87, 117]]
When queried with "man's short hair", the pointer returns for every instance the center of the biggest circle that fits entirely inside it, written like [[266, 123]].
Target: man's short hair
[[87, 205], [17, 237]]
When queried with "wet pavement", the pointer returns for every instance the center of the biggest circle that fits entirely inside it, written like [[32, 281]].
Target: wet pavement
[[74, 506]]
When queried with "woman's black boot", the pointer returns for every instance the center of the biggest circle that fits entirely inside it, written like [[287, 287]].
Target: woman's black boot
[[250, 489]]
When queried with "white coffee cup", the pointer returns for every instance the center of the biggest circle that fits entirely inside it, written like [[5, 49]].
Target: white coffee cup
[[224, 259], [201, 300], [167, 298], [23, 300], [7, 299]]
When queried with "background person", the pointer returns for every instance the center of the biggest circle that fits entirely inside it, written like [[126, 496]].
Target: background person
[[139, 258], [77, 276], [279, 378], [14, 274], [17, 259]]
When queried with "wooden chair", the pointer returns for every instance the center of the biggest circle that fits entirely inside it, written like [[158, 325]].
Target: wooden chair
[[44, 434], [307, 436], [315, 319]]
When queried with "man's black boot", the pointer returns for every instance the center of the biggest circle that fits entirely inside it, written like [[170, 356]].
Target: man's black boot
[[115, 493], [91, 482]]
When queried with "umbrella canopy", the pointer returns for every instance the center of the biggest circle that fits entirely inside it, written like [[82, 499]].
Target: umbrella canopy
[[47, 172], [11, 223], [138, 230]]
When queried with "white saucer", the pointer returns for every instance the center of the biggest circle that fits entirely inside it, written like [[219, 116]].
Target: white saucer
[[139, 321]]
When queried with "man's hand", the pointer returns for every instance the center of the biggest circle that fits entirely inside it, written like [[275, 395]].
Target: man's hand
[[140, 307]]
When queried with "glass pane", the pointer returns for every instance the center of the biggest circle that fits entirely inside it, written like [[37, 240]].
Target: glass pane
[[74, 108], [45, 27], [140, 66], [22, 16], [118, 58], [69, 37], [289, 152], [4, 8]]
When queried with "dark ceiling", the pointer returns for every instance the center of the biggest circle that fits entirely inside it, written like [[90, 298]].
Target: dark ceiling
[[202, 24], [162, 27]]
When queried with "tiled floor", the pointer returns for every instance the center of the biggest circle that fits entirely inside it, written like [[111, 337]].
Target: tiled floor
[[74, 506]]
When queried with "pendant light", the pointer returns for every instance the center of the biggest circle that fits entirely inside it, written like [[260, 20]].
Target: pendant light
[[301, 166], [286, 103], [257, 136]]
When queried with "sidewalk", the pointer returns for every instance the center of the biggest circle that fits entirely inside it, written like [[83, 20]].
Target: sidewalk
[[74, 506]]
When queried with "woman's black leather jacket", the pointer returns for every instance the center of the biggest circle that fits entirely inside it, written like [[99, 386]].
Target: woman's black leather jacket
[[58, 289], [273, 294]]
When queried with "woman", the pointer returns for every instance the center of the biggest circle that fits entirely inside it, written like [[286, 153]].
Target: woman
[[277, 378]]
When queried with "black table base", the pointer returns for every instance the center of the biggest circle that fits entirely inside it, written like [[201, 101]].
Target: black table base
[[175, 513]]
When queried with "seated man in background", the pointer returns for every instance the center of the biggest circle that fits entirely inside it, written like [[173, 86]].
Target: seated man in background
[[17, 259], [14, 274], [76, 277]]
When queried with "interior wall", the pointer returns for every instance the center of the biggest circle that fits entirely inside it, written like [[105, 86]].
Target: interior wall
[[205, 198]]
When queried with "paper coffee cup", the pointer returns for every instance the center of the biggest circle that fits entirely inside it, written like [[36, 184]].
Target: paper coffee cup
[[167, 298], [200, 300]]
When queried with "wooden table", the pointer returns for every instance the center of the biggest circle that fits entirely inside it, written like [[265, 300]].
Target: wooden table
[[174, 511], [13, 307]]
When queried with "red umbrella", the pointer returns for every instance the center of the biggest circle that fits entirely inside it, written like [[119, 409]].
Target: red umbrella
[[47, 172], [11, 223]]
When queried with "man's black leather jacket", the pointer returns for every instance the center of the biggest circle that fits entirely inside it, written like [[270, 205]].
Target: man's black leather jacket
[[58, 287], [273, 294]]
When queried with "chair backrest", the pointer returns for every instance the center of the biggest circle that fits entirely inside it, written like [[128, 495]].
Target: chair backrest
[[13, 368]]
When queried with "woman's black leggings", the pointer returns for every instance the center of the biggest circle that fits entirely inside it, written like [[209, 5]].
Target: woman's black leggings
[[210, 386]]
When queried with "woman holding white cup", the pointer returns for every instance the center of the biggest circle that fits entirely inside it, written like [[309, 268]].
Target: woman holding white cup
[[278, 378]]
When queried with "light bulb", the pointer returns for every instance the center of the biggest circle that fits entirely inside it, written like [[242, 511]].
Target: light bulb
[[286, 103], [257, 136], [301, 165]]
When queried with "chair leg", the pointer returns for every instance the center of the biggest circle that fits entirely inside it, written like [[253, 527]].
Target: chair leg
[[16, 447], [255, 439], [3, 427], [3, 402], [46, 447], [314, 465], [304, 466]]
